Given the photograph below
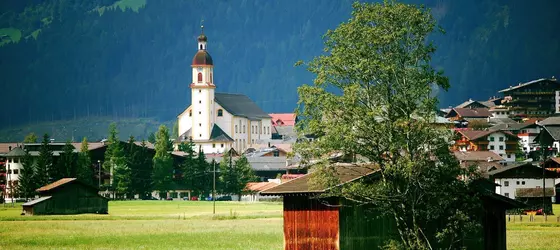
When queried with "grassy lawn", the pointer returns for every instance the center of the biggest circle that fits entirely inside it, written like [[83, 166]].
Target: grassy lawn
[[149, 225], [191, 225]]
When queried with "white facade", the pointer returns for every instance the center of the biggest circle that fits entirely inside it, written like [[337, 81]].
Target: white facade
[[13, 170], [509, 185], [527, 137], [205, 113], [497, 144]]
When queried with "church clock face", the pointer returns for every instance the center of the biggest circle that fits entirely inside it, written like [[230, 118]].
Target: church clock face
[[199, 69]]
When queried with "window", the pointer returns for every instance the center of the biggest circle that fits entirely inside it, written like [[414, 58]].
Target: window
[[220, 112], [200, 135], [190, 112], [517, 182], [200, 101], [235, 128], [210, 77], [243, 129], [200, 124], [201, 46], [506, 194], [276, 153], [200, 91], [501, 138], [523, 183], [506, 183], [199, 112], [222, 145], [491, 147], [16, 171], [501, 147], [213, 145], [199, 77], [491, 138]]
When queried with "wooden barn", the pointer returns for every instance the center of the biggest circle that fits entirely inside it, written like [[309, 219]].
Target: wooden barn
[[67, 196], [311, 222]]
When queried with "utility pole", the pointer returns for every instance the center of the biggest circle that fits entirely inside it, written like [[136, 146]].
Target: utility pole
[[214, 187], [543, 169], [99, 172]]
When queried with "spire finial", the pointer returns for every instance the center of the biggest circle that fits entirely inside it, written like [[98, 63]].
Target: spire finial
[[202, 26]]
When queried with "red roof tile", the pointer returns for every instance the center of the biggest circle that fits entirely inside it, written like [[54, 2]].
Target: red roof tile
[[284, 119], [471, 112]]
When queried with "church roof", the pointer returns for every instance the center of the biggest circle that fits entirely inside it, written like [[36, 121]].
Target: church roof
[[240, 105], [218, 134], [202, 57]]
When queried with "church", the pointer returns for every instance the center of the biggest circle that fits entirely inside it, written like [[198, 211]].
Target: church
[[217, 122]]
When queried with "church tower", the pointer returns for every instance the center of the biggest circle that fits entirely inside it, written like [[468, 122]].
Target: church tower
[[202, 91]]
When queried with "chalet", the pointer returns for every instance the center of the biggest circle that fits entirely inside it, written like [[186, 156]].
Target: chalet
[[475, 104], [532, 99], [484, 160], [469, 114], [526, 131], [499, 112], [67, 196], [525, 183], [503, 143], [315, 222]]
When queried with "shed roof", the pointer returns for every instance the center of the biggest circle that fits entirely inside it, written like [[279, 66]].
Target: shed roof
[[344, 172], [56, 184], [39, 200], [240, 105]]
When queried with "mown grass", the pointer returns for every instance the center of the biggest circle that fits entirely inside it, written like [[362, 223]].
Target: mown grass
[[191, 225], [149, 225]]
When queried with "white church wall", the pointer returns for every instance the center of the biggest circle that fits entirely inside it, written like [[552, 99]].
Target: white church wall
[[240, 133], [184, 121], [225, 121], [201, 119], [213, 147]]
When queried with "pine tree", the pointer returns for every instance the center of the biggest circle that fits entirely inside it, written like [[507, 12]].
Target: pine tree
[[27, 184], [162, 175], [85, 170], [243, 175], [188, 165], [142, 175], [45, 167], [66, 164], [152, 138], [114, 156]]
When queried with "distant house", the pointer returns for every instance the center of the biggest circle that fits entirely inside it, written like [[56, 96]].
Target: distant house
[[526, 131], [469, 114], [532, 99], [484, 160], [67, 196], [312, 222], [475, 104], [503, 143], [284, 119], [525, 183]]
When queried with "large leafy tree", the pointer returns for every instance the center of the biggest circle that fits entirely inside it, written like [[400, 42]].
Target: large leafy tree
[[30, 138], [27, 177], [372, 97], [45, 169], [84, 170], [162, 175]]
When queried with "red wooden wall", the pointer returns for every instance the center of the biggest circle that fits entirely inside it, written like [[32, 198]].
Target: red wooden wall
[[310, 224]]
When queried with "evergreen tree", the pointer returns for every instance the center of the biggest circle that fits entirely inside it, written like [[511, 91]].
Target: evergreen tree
[[114, 156], [142, 174], [234, 176], [187, 167], [85, 170], [175, 132], [45, 167], [162, 175], [152, 138], [27, 184], [66, 164], [227, 175], [30, 138]]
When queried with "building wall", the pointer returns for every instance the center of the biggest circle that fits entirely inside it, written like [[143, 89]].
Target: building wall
[[213, 147], [310, 224], [498, 145], [13, 169], [527, 137], [184, 121], [225, 122], [240, 136], [509, 190], [202, 112]]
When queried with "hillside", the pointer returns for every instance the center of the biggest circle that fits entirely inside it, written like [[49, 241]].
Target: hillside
[[75, 59]]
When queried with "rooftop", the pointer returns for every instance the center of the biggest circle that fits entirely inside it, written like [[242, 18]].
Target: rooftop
[[520, 85]]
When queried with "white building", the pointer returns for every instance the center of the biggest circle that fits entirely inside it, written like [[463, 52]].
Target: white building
[[499, 112], [522, 178], [216, 122], [13, 170], [503, 143]]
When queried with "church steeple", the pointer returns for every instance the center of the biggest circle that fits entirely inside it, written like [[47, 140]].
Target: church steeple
[[202, 39]]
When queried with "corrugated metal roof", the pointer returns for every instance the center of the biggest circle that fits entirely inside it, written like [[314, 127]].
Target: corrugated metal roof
[[39, 200]]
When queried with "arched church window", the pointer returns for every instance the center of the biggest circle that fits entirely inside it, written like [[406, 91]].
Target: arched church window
[[199, 77], [211, 78], [220, 112]]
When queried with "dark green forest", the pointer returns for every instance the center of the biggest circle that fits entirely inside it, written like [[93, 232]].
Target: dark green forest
[[70, 59]]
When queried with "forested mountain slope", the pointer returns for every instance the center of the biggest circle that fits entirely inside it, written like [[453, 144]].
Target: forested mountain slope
[[69, 59]]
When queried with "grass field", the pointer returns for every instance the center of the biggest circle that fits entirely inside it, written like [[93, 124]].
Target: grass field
[[191, 225]]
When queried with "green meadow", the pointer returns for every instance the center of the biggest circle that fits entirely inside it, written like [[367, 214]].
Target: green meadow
[[192, 225]]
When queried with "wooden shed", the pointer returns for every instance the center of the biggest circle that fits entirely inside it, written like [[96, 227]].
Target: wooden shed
[[67, 196], [312, 222]]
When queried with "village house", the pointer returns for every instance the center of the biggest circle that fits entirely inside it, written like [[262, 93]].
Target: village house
[[526, 131], [216, 122], [503, 143], [483, 160], [524, 182], [315, 222], [476, 104], [467, 115]]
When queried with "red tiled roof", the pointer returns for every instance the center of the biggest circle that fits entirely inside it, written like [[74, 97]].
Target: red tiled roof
[[55, 184], [5, 147], [477, 156], [283, 119], [472, 112], [477, 134]]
